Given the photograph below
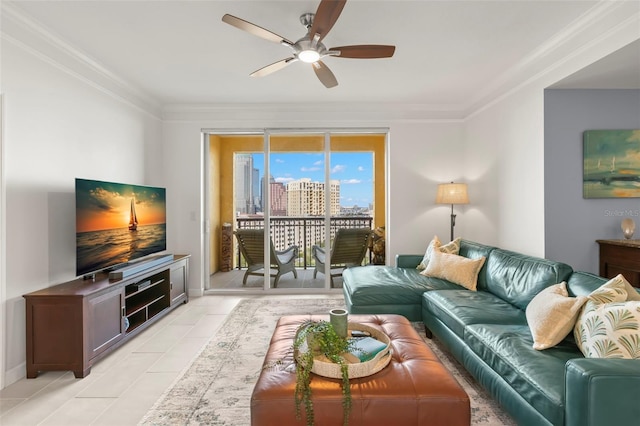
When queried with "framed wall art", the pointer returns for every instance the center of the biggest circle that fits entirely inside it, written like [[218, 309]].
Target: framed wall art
[[611, 167]]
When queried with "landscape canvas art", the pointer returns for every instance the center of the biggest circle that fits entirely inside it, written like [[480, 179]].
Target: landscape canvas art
[[611, 167]]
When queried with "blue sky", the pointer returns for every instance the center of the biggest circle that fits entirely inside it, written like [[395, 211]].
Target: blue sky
[[353, 170]]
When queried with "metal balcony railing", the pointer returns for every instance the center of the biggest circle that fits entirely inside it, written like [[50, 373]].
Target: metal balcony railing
[[301, 231]]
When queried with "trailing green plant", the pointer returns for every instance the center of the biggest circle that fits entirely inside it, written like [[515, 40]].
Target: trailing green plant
[[321, 339]]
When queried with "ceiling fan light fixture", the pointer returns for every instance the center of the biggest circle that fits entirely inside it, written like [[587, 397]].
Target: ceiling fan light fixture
[[309, 48], [309, 56]]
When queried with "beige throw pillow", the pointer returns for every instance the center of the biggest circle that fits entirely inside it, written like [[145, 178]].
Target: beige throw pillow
[[552, 314], [457, 269], [453, 248]]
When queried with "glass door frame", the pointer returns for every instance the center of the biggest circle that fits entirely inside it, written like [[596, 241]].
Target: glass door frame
[[266, 133]]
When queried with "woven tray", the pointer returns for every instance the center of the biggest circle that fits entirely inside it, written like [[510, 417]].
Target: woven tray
[[325, 368]]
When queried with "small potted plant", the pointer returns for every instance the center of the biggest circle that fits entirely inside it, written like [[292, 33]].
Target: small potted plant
[[321, 339]]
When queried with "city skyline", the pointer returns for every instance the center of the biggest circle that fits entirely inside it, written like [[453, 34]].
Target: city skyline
[[354, 171]]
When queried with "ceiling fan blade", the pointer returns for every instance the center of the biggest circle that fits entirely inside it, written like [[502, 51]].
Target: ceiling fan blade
[[324, 74], [255, 29], [273, 67], [365, 51], [326, 15]]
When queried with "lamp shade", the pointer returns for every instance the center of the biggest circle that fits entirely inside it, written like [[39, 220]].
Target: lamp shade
[[452, 193]]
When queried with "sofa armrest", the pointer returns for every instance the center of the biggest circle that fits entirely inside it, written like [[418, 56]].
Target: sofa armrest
[[408, 260], [602, 392]]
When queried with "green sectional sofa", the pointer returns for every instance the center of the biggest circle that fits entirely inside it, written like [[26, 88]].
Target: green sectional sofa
[[488, 334]]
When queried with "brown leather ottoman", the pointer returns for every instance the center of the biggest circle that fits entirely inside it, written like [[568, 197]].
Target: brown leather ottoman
[[414, 389]]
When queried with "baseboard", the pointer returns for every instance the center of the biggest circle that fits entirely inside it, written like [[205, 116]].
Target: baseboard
[[195, 292], [15, 374]]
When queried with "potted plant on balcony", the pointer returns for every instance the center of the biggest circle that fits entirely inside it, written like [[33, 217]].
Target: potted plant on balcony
[[321, 339]]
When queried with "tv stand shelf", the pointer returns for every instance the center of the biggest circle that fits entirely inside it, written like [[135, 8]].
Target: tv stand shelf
[[72, 325]]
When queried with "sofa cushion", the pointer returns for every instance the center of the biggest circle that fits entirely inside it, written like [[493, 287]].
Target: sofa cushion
[[374, 285], [457, 269], [473, 250], [583, 283], [552, 314], [538, 376], [517, 278], [459, 308]]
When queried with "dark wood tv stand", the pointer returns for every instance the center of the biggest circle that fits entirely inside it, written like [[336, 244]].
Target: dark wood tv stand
[[72, 325]]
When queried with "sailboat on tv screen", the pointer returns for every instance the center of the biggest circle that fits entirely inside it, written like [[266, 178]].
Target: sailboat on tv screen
[[133, 219]]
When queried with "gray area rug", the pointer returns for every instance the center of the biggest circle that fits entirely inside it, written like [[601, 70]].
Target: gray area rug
[[216, 388]]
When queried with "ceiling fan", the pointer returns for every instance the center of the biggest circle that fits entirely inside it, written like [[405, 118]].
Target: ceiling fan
[[309, 48]]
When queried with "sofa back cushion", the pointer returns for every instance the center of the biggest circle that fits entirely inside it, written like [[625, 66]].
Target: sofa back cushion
[[583, 283], [517, 278], [473, 250]]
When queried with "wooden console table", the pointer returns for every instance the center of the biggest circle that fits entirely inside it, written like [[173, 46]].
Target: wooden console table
[[620, 257], [72, 325]]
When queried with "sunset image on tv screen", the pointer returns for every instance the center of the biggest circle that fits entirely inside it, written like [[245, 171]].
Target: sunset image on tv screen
[[117, 223]]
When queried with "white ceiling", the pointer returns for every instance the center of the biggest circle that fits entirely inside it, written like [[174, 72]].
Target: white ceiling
[[180, 52]]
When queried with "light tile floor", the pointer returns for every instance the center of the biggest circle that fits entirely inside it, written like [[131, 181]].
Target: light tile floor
[[124, 385]]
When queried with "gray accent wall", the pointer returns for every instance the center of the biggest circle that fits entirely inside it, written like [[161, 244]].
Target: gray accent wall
[[572, 223]]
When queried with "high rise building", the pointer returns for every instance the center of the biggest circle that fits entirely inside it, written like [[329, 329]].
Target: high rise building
[[255, 189], [306, 198], [243, 183], [278, 194]]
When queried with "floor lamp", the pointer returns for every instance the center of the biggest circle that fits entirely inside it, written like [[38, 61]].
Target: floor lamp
[[452, 193]]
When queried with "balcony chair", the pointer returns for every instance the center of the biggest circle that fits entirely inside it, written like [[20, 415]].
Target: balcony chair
[[251, 243], [349, 248]]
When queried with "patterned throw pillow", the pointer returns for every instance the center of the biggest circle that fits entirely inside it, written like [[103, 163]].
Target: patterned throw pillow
[[552, 314], [609, 325], [457, 269], [632, 292], [452, 248]]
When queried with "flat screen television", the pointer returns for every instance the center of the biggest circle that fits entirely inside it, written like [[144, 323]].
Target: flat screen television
[[117, 223]]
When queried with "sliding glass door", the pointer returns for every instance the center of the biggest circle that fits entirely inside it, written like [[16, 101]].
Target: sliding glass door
[[300, 187], [296, 204]]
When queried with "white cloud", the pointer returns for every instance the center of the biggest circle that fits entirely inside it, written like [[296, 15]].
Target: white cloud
[[284, 179], [338, 168], [360, 169], [309, 169], [350, 181], [279, 160], [318, 163]]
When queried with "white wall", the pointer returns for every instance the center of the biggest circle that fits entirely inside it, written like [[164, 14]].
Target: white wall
[[422, 155], [504, 160], [56, 128]]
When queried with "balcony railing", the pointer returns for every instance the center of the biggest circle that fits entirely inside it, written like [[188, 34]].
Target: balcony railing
[[301, 231]]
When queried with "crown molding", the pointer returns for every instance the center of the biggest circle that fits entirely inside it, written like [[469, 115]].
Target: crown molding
[[606, 19], [29, 35], [312, 113]]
